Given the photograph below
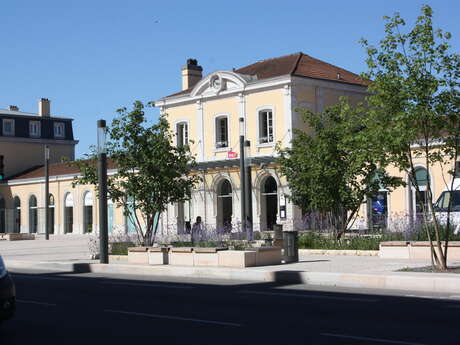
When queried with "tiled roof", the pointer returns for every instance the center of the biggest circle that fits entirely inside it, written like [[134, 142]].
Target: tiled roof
[[55, 169], [298, 64]]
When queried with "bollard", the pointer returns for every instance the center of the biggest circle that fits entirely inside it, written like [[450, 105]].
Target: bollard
[[291, 246], [278, 235]]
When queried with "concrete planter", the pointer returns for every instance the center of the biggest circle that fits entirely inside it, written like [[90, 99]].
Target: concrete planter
[[181, 256], [237, 258], [158, 256], [17, 237], [206, 256], [415, 250], [138, 255], [268, 256]]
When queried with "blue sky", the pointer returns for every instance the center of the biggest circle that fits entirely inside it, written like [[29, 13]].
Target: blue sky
[[91, 57]]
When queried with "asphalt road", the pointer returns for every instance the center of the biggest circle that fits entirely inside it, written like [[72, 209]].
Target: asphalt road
[[85, 308]]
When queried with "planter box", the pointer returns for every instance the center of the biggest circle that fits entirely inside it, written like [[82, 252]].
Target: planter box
[[394, 250], [237, 258], [158, 256], [415, 250], [17, 237], [268, 256], [181, 256], [206, 256], [138, 255]]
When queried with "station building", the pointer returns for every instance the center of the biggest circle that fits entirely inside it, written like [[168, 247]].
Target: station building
[[209, 113]]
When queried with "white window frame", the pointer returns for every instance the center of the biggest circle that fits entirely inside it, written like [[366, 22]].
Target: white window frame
[[266, 108], [4, 122], [218, 148], [186, 138], [37, 134], [56, 126]]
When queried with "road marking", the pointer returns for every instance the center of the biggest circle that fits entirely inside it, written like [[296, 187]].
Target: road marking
[[167, 317], [37, 277], [35, 302], [150, 285], [354, 299], [375, 340]]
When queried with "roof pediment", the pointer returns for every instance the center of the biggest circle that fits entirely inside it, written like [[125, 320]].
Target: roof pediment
[[219, 81]]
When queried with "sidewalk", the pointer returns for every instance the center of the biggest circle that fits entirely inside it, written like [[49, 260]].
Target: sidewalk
[[67, 254]]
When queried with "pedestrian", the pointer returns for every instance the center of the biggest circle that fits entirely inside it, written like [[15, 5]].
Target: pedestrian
[[196, 230]]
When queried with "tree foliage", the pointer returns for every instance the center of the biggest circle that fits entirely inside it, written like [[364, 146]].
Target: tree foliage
[[150, 172], [334, 169], [414, 96]]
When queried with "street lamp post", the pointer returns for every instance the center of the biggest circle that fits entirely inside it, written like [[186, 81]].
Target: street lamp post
[[242, 176], [102, 179], [248, 193], [47, 193]]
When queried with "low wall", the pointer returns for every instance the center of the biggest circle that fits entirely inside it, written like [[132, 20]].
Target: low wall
[[187, 256], [415, 250], [17, 237]]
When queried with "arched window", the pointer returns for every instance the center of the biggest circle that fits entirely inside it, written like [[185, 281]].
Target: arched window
[[87, 212], [51, 213], [17, 214], [224, 206], [268, 203], [420, 198], [2, 215], [68, 213], [109, 214], [33, 214]]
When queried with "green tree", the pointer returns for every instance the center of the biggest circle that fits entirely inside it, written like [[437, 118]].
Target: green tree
[[334, 169], [150, 171], [415, 79]]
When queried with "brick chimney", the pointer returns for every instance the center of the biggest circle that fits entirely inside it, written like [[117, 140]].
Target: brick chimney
[[44, 108], [191, 74]]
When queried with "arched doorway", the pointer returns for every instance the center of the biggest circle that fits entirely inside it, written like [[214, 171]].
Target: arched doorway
[[268, 203], [109, 214], [87, 212], [419, 200], [2, 215], [17, 214], [33, 214], [68, 213], [224, 206], [51, 213]]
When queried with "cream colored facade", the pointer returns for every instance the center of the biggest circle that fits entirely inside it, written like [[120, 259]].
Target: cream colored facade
[[80, 197], [243, 98]]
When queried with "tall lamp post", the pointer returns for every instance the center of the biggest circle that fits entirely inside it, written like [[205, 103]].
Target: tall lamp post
[[102, 179], [242, 176], [248, 190], [47, 193]]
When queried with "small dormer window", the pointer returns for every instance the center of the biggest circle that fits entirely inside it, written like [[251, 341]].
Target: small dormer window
[[8, 127], [59, 130], [182, 134], [34, 129]]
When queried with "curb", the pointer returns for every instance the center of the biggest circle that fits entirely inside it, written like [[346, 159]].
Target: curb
[[346, 252], [429, 282]]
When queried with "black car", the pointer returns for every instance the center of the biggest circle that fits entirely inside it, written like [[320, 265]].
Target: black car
[[7, 294]]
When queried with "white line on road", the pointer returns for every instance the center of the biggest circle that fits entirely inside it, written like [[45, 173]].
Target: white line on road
[[167, 317], [35, 302], [150, 285], [375, 340], [20, 276], [354, 299]]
